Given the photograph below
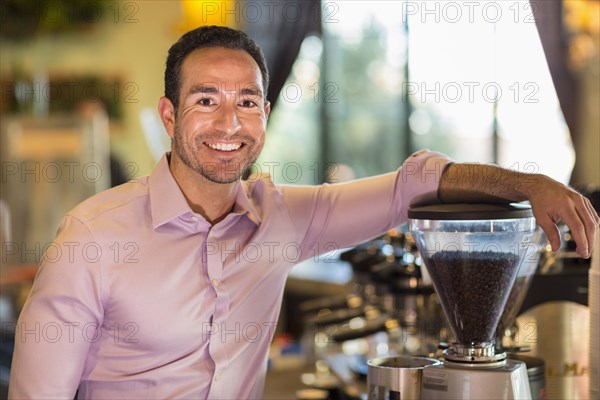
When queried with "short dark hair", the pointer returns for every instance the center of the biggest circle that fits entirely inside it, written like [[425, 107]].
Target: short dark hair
[[208, 36]]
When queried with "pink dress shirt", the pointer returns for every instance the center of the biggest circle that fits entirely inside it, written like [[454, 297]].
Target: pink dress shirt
[[141, 298]]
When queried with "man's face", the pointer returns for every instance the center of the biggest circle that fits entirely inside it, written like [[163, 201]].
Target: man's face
[[220, 124]]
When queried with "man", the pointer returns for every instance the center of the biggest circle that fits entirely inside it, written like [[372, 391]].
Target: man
[[170, 286]]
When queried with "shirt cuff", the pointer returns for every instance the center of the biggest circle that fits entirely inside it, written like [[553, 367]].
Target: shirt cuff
[[420, 177]]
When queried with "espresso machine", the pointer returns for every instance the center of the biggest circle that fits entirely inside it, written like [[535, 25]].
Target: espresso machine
[[473, 253]]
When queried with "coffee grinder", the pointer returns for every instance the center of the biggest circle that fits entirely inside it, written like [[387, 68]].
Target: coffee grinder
[[473, 253]]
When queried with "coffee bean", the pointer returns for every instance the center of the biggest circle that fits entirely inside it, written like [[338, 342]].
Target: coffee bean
[[514, 302], [473, 288]]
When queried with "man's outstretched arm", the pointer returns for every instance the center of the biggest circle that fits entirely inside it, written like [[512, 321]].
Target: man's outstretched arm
[[550, 200]]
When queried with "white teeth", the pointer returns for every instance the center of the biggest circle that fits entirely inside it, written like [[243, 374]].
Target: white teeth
[[225, 146]]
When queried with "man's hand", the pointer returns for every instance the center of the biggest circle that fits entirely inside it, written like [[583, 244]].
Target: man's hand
[[550, 200]]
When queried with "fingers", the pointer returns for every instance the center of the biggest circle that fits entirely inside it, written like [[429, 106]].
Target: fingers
[[578, 214], [582, 220], [593, 213], [575, 219], [592, 227], [551, 231]]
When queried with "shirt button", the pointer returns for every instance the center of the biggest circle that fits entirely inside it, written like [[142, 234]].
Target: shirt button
[[217, 377], [216, 282], [195, 219]]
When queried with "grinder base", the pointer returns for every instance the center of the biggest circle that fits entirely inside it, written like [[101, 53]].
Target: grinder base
[[483, 356], [445, 382]]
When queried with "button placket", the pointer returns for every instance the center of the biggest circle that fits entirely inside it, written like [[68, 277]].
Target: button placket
[[216, 347], [214, 258]]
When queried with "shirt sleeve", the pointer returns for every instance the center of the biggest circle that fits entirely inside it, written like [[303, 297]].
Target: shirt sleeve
[[334, 216], [60, 319]]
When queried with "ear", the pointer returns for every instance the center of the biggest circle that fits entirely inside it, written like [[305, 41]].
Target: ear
[[267, 109], [167, 115]]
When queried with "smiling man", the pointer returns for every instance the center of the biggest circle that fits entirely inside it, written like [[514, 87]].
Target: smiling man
[[216, 115], [170, 286]]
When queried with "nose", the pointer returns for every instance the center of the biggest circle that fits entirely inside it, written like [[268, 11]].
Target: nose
[[227, 120]]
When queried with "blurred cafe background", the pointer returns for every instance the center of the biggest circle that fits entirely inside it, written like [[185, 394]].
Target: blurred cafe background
[[357, 86]]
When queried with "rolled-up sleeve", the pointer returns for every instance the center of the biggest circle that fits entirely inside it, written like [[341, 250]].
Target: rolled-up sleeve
[[60, 318], [341, 215]]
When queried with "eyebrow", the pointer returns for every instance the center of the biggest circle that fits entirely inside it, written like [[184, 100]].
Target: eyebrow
[[202, 89], [250, 90]]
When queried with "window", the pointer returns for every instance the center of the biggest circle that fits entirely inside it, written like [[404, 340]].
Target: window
[[468, 79]]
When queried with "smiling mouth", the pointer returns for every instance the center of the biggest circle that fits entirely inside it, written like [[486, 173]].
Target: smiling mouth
[[225, 147]]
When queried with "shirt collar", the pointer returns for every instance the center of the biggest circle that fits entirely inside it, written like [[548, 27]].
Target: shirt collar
[[243, 203], [167, 202]]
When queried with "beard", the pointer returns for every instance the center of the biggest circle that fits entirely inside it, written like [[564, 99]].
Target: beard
[[215, 171]]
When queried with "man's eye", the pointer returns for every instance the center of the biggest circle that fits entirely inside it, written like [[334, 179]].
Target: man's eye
[[205, 101], [248, 103]]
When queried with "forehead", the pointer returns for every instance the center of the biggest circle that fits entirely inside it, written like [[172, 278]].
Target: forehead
[[219, 65]]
